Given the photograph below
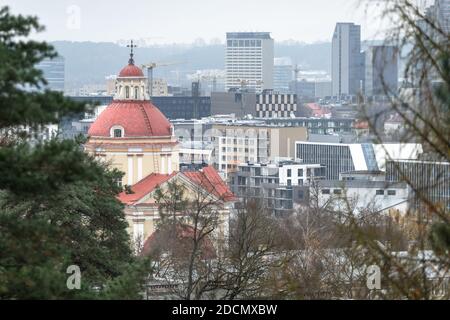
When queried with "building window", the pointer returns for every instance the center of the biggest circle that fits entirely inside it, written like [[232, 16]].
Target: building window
[[135, 93], [300, 182], [289, 172], [391, 193], [117, 133], [127, 92], [300, 172], [325, 191], [337, 191], [379, 192]]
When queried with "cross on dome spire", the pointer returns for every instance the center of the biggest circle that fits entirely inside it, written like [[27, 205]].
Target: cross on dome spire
[[131, 60]]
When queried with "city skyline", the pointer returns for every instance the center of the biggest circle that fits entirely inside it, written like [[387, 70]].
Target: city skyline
[[77, 20]]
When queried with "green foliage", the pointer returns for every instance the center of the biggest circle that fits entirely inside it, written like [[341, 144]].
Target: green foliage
[[58, 205]]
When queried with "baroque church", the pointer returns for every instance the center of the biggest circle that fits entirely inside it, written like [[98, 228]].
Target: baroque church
[[133, 136]]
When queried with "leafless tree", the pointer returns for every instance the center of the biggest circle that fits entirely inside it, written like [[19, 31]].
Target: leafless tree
[[423, 42]]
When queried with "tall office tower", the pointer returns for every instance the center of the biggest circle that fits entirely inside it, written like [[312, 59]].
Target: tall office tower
[[54, 72], [381, 70], [347, 61], [249, 60], [283, 73]]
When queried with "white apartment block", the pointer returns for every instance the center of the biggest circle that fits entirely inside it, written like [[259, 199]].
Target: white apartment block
[[249, 60], [236, 144]]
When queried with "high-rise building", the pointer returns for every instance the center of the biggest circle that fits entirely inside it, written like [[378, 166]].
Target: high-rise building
[[54, 72], [347, 61], [249, 60], [282, 74], [381, 76]]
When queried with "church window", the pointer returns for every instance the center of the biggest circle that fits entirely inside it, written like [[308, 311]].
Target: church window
[[136, 93], [117, 133], [127, 92]]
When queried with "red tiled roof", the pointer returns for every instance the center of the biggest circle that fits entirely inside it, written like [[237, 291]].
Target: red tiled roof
[[161, 240], [131, 70], [209, 179], [316, 109], [138, 118], [144, 187]]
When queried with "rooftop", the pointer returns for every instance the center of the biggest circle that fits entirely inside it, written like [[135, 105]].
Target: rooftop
[[248, 35]]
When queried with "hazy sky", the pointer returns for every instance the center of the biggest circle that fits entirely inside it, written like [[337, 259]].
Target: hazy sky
[[168, 21]]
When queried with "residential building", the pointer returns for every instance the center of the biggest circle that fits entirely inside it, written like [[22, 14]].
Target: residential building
[[239, 143], [249, 60], [280, 186], [315, 125], [347, 63]]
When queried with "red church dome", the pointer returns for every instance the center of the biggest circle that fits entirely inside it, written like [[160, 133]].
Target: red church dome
[[136, 118], [131, 71]]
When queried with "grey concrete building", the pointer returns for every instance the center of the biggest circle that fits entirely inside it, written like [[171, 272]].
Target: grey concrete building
[[381, 70], [347, 61], [239, 103]]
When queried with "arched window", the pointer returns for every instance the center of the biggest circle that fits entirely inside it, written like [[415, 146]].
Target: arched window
[[136, 91], [117, 132], [127, 92]]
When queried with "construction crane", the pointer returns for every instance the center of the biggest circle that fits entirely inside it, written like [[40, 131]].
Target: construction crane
[[244, 83], [152, 65], [211, 77]]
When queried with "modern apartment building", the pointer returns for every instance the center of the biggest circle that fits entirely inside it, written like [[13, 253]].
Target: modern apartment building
[[278, 185], [249, 60], [238, 143], [381, 70], [347, 61]]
